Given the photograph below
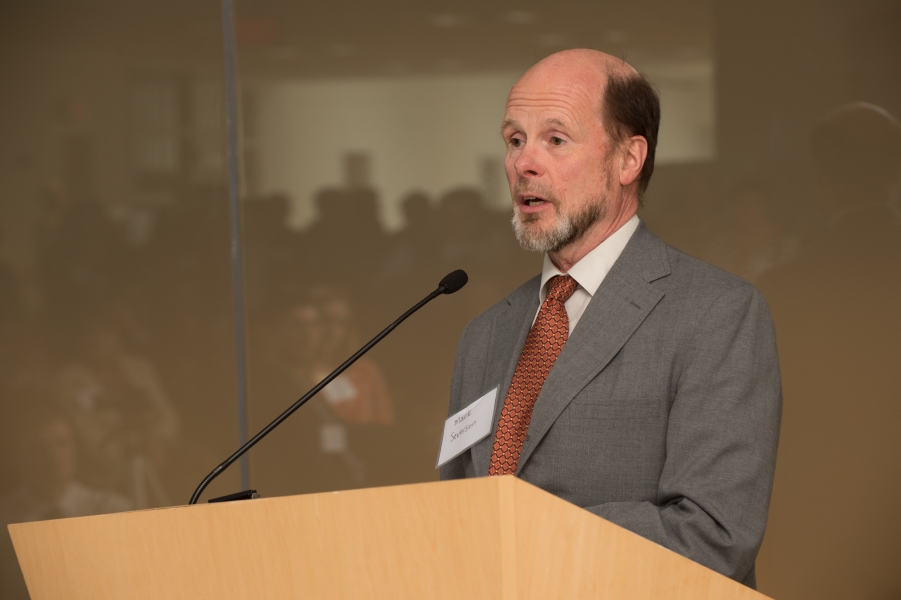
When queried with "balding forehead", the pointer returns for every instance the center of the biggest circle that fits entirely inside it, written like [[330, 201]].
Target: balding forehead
[[562, 95], [555, 85]]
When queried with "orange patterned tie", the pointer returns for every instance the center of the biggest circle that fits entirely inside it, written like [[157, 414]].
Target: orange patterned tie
[[543, 346]]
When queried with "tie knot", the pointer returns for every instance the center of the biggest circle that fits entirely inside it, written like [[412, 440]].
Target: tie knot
[[561, 287]]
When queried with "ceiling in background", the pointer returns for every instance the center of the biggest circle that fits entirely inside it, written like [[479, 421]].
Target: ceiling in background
[[284, 38], [142, 30], [291, 38]]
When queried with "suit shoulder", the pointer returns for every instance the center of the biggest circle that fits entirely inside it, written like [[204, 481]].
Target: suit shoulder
[[679, 274], [703, 302], [702, 280]]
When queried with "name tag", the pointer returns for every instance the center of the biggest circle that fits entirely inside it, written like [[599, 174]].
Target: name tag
[[467, 427]]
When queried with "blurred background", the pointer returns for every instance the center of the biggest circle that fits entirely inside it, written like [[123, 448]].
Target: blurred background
[[368, 165]]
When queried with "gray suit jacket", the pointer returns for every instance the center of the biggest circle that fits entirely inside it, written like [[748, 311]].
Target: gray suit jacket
[[662, 412]]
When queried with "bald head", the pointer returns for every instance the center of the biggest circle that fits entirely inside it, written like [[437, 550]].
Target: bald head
[[583, 68]]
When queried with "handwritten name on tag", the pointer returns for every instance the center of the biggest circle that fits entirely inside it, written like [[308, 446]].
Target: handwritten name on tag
[[465, 428]]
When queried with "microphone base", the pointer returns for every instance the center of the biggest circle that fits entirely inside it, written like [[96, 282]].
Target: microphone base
[[245, 495]]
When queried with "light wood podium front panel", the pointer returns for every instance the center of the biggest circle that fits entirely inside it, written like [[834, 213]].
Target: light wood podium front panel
[[482, 538]]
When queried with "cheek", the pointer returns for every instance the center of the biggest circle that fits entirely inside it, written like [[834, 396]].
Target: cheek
[[589, 178], [567, 181], [510, 171]]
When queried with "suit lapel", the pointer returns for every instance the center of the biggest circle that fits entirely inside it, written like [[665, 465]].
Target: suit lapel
[[509, 336], [620, 305]]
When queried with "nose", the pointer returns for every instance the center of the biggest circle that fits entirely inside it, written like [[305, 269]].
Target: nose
[[527, 163]]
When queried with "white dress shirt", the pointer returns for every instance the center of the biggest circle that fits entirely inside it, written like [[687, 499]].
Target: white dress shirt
[[588, 272]]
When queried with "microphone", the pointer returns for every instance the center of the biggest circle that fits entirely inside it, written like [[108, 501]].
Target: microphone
[[451, 283]]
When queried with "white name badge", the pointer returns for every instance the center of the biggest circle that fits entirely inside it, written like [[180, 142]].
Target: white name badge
[[467, 427]]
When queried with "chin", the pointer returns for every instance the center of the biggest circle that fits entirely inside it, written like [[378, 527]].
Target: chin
[[532, 218], [532, 236]]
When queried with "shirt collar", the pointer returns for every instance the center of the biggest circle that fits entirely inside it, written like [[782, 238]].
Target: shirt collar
[[594, 266]]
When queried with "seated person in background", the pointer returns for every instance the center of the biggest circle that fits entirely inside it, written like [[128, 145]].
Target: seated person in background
[[121, 415], [46, 463]]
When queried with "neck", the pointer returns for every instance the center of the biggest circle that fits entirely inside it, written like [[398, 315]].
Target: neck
[[566, 257]]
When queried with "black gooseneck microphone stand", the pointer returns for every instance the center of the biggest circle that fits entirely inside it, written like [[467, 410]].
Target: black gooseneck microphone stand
[[451, 283]]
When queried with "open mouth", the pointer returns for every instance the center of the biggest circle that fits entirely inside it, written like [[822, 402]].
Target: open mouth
[[532, 201]]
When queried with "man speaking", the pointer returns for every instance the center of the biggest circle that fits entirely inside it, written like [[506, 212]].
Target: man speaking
[[634, 381]]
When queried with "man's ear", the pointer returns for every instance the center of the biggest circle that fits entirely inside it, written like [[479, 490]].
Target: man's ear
[[634, 153]]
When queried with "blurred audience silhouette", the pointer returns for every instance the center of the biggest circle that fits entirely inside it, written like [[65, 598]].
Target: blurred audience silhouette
[[44, 452], [836, 307], [753, 240], [121, 414]]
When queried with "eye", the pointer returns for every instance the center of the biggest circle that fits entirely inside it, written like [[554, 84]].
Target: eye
[[515, 142], [556, 141]]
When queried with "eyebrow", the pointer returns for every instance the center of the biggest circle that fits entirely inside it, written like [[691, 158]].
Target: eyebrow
[[512, 123]]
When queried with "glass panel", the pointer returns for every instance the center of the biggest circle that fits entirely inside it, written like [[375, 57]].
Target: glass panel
[[372, 167], [811, 182], [117, 368]]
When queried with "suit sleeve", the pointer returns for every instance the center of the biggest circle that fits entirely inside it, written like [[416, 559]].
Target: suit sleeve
[[454, 468], [721, 441]]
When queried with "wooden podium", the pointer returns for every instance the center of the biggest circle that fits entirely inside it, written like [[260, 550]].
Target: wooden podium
[[497, 538]]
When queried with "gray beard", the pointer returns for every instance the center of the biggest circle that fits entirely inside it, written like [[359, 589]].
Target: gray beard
[[568, 229]]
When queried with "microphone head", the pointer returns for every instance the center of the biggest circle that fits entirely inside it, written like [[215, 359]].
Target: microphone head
[[452, 282]]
